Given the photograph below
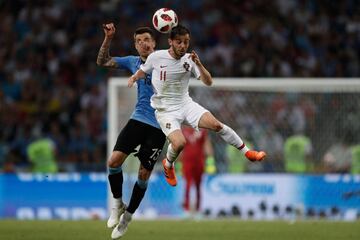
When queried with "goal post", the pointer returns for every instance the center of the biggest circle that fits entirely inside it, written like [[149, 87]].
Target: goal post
[[121, 99], [249, 97], [265, 112]]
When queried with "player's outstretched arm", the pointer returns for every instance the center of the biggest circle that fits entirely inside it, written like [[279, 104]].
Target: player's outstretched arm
[[205, 76], [104, 59], [139, 74]]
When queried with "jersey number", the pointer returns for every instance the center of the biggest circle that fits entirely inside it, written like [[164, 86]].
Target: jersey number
[[156, 153], [162, 75]]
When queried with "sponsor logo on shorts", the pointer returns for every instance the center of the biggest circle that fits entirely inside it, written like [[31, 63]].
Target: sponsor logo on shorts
[[168, 125]]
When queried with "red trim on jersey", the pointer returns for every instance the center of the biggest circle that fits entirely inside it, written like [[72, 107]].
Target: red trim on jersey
[[242, 146]]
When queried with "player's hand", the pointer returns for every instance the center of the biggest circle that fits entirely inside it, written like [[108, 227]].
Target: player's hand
[[109, 30], [195, 58], [131, 81]]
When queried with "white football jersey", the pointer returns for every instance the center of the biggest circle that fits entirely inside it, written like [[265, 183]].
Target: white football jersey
[[170, 79]]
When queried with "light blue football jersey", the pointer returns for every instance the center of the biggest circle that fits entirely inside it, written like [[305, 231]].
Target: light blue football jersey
[[143, 111]]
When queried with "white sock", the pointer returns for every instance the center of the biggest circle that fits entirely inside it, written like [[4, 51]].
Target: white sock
[[118, 203], [171, 156], [232, 138], [127, 216]]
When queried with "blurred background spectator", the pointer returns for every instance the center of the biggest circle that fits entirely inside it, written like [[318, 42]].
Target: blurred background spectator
[[297, 154], [49, 81], [42, 154], [338, 158]]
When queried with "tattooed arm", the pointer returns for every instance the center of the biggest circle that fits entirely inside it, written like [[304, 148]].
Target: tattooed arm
[[104, 59]]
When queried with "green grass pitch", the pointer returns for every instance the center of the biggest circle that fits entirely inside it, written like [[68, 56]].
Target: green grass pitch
[[181, 230]]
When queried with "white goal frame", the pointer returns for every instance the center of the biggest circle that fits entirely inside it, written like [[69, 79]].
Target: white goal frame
[[308, 85]]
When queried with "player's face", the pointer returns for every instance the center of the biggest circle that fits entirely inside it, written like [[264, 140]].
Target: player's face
[[144, 44], [180, 44]]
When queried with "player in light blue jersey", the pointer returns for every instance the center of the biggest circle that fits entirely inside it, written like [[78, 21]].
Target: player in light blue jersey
[[142, 129]]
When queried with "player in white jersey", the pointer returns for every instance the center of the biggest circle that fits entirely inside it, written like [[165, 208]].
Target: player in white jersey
[[171, 71]]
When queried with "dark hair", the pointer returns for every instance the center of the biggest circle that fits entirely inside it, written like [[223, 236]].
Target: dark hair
[[179, 30], [142, 30]]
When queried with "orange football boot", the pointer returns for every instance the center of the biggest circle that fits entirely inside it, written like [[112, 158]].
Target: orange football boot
[[255, 155], [170, 175]]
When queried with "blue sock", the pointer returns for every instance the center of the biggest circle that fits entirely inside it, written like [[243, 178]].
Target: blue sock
[[137, 195], [116, 180]]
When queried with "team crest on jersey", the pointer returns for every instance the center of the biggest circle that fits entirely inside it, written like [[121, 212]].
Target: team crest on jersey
[[186, 66], [168, 125]]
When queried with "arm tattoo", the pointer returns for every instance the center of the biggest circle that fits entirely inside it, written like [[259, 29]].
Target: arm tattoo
[[104, 58]]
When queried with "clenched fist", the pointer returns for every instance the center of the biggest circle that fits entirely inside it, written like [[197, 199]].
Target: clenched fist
[[109, 30]]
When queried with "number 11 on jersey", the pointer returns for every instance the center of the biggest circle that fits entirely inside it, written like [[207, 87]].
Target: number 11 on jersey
[[162, 75]]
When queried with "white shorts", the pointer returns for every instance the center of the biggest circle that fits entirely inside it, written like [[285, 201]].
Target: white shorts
[[189, 114]]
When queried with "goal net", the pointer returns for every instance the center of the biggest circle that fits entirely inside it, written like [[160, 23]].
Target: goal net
[[306, 126]]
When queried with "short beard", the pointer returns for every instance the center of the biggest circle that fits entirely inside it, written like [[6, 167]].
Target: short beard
[[177, 53]]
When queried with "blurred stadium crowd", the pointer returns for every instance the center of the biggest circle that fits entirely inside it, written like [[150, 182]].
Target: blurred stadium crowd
[[50, 84]]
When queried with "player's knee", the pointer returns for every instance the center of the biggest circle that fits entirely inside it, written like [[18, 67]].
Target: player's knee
[[112, 163], [116, 160], [217, 126], [178, 146]]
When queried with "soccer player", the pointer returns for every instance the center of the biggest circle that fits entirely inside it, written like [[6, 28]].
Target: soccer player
[[171, 70], [142, 129], [193, 156]]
